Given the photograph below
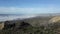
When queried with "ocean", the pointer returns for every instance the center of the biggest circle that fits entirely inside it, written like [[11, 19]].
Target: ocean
[[6, 17]]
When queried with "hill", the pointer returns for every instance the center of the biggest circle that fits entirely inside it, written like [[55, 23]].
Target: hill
[[35, 25]]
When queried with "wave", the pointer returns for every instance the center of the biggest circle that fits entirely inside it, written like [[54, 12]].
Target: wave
[[13, 17]]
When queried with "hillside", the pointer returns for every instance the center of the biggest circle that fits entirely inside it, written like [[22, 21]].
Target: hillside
[[37, 25], [38, 21], [55, 19]]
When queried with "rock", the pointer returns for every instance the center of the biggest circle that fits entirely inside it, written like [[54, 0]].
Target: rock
[[8, 24]]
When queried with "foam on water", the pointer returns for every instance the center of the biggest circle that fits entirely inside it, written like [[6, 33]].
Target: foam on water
[[13, 17]]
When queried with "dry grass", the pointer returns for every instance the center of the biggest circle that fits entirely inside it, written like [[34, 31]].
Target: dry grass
[[54, 19], [1, 26]]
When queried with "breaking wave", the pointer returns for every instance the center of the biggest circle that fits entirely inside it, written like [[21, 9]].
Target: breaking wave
[[13, 17]]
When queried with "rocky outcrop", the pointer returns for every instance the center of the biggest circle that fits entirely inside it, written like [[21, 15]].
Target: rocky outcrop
[[22, 24], [15, 26], [8, 24]]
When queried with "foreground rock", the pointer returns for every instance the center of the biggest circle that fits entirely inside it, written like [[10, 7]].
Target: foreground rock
[[14, 26]]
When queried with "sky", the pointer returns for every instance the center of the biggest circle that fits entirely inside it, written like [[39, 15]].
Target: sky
[[29, 6]]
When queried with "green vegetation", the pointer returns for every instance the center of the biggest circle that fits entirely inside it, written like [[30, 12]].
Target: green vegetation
[[29, 30], [32, 29]]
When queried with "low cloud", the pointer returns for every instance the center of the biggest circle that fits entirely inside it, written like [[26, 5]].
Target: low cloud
[[15, 10]]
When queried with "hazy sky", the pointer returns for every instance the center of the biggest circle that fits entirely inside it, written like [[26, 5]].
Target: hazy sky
[[29, 6]]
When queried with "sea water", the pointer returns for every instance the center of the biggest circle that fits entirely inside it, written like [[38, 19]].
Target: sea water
[[14, 17]]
